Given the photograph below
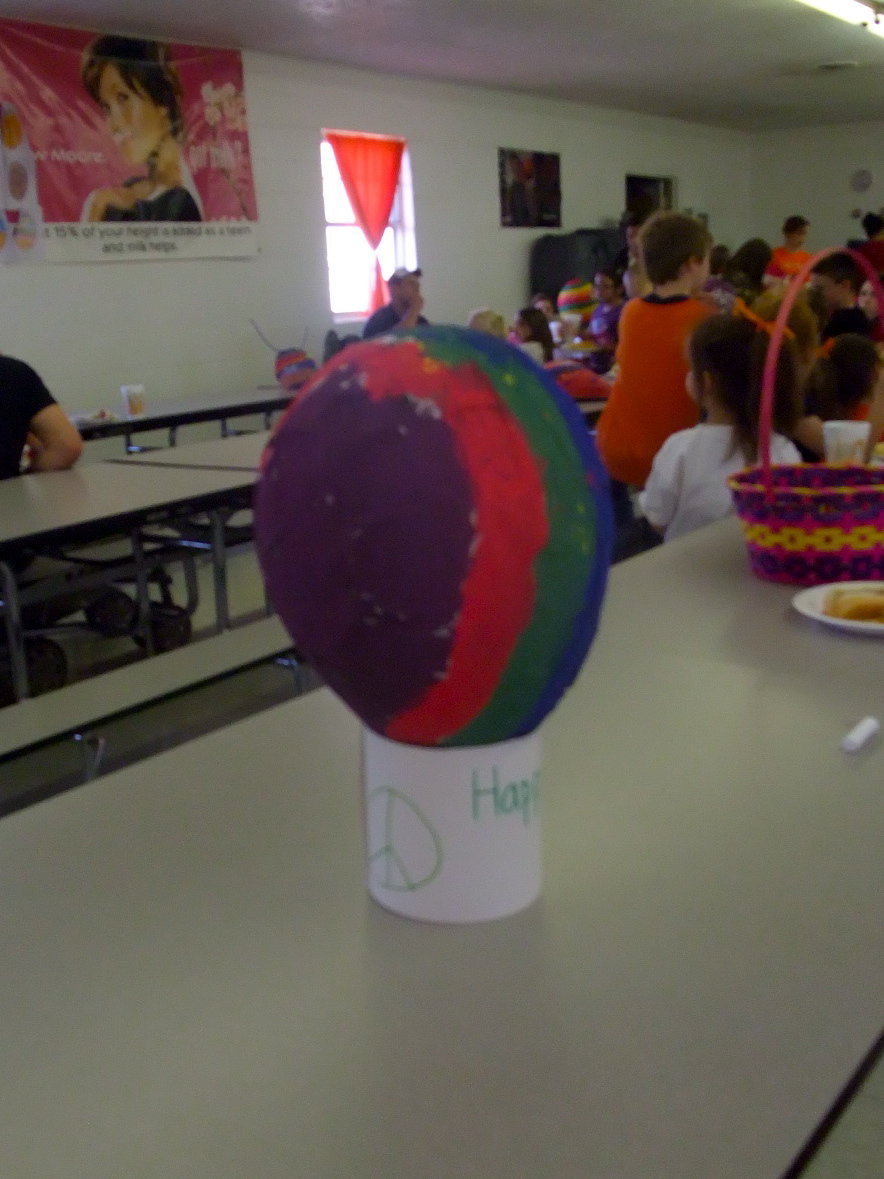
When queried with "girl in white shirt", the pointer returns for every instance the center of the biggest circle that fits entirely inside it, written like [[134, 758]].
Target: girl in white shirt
[[687, 486], [531, 333]]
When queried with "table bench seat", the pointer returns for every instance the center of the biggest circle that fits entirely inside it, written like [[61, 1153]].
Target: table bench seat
[[84, 705]]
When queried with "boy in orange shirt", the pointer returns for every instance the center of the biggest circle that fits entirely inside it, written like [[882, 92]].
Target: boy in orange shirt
[[648, 400], [786, 260]]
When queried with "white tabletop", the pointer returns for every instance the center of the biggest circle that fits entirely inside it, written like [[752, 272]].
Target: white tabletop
[[259, 396], [195, 984], [239, 453], [160, 413], [35, 505]]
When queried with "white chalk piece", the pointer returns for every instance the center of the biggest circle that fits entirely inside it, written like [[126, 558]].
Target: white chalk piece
[[452, 834], [860, 734]]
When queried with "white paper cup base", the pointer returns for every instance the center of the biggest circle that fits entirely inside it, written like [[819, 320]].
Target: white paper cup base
[[452, 834]]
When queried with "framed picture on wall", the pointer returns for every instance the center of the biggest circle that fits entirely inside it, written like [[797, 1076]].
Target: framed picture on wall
[[530, 188], [646, 194]]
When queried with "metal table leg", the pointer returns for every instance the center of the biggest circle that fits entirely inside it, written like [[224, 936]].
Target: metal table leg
[[142, 591], [15, 635], [93, 747], [219, 571]]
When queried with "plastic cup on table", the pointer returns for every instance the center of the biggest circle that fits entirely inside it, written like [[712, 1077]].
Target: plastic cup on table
[[845, 442], [133, 400]]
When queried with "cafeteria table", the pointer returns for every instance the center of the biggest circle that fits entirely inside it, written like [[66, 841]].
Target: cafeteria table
[[591, 408], [172, 414], [240, 453], [196, 985], [98, 501]]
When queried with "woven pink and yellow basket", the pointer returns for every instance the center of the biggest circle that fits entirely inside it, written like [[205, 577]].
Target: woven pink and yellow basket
[[811, 523]]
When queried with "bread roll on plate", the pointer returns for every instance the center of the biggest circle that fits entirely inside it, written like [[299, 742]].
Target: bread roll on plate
[[856, 605]]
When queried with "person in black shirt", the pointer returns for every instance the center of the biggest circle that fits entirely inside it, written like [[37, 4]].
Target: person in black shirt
[[404, 308], [838, 279], [30, 415]]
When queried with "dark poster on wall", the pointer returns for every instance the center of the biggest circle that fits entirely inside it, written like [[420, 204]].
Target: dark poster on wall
[[530, 188]]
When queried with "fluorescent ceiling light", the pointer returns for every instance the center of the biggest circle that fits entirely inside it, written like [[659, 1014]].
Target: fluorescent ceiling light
[[853, 12]]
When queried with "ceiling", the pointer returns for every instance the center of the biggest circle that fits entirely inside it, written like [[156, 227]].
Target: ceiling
[[748, 64]]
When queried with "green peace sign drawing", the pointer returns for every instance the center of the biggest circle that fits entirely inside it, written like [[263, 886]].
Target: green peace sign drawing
[[402, 841]]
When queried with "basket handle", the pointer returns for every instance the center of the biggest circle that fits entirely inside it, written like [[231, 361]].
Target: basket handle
[[795, 287]]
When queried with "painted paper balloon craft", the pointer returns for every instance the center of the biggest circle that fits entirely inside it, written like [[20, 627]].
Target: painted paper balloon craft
[[434, 528], [577, 299], [293, 367]]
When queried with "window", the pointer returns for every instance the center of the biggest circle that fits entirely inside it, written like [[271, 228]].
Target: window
[[353, 266]]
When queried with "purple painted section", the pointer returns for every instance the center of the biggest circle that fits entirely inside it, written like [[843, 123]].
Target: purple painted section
[[363, 531]]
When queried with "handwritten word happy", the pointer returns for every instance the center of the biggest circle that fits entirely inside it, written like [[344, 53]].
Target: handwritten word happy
[[507, 798]]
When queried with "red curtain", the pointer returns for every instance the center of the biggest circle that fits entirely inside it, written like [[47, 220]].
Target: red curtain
[[369, 167]]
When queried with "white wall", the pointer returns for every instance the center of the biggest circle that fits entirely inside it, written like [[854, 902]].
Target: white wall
[[808, 171], [183, 327]]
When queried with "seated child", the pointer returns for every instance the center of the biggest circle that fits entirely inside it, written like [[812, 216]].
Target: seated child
[[744, 270], [531, 333], [687, 485], [543, 302], [817, 379], [483, 319], [648, 401], [802, 321], [843, 385], [717, 290], [873, 248], [868, 303], [605, 319], [839, 278]]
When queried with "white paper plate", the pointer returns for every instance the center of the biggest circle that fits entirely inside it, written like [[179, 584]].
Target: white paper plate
[[89, 419], [809, 602]]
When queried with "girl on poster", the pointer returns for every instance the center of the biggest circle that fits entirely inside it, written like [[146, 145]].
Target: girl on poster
[[137, 87]]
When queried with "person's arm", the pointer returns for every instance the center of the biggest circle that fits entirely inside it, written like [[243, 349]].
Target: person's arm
[[410, 317], [876, 416], [54, 440], [809, 433], [658, 500]]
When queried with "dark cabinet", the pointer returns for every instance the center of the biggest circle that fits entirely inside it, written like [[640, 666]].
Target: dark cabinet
[[557, 257]]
